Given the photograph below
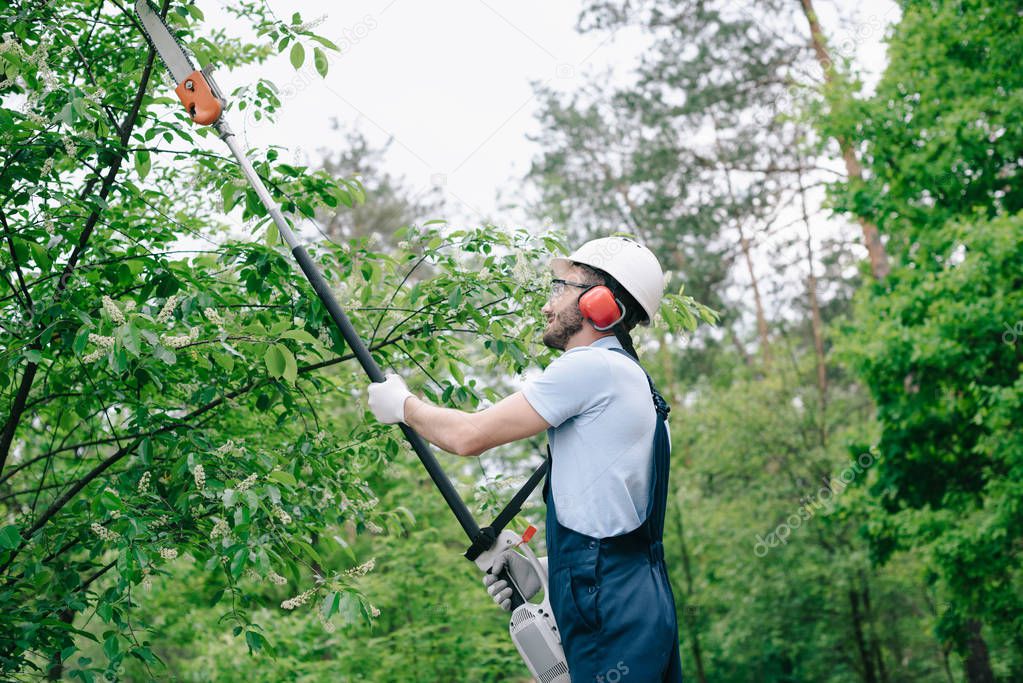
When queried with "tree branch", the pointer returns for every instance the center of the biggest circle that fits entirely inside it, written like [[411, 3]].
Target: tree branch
[[18, 407]]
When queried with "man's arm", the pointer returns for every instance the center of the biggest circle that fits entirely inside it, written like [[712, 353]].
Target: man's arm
[[464, 433]]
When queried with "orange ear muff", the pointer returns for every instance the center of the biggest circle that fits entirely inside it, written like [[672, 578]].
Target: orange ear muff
[[601, 308]]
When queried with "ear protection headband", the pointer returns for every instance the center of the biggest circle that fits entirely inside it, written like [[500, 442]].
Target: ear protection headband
[[599, 305]]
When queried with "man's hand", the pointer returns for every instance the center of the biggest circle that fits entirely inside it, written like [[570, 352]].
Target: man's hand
[[522, 573], [387, 399]]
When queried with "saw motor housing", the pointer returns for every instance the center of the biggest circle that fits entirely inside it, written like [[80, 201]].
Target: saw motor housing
[[533, 628]]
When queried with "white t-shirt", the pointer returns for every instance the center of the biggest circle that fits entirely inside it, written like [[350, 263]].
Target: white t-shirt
[[602, 421]]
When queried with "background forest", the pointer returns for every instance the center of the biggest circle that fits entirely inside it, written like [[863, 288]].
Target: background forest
[[191, 487]]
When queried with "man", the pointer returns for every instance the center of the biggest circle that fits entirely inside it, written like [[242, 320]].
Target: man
[[607, 484]]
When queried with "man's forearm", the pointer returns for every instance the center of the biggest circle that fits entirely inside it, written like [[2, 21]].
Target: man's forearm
[[446, 428]]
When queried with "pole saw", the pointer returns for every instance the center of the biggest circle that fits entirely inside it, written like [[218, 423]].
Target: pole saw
[[532, 626]]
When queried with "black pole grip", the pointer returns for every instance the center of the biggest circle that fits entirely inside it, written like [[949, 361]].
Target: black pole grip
[[420, 446]]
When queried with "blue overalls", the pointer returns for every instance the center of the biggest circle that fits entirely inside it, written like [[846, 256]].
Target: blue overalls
[[611, 597]]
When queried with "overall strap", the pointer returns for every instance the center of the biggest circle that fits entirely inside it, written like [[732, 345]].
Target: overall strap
[[658, 501]]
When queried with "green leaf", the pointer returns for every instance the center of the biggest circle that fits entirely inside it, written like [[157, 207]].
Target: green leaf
[[10, 537], [320, 61], [109, 500], [238, 561], [455, 299], [142, 163], [283, 477], [325, 43], [142, 652], [331, 601], [111, 646], [224, 360], [256, 641], [290, 366], [297, 55], [299, 335], [164, 354], [348, 608], [81, 340], [274, 360], [40, 256]]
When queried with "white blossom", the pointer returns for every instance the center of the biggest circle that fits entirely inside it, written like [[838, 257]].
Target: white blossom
[[213, 317], [70, 147], [309, 25], [101, 340], [362, 569], [522, 271], [282, 514], [105, 533], [220, 528], [276, 578], [324, 337], [200, 477], [246, 483], [94, 355], [144, 482], [168, 309], [298, 600], [168, 553], [180, 340], [225, 449], [328, 625], [113, 311]]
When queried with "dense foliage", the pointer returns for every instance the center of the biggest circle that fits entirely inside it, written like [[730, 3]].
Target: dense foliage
[[191, 487]]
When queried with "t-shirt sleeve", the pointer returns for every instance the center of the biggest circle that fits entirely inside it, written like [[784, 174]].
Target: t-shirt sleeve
[[573, 384]]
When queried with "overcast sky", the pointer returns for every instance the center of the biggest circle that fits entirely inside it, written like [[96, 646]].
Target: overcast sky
[[450, 83]]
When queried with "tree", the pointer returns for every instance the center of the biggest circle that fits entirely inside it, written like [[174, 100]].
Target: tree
[[705, 155], [937, 344], [392, 205], [161, 402]]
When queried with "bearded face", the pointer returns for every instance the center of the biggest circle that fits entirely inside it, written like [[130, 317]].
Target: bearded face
[[562, 324], [564, 320]]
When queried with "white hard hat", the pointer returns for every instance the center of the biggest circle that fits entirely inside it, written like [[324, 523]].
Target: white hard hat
[[630, 263]]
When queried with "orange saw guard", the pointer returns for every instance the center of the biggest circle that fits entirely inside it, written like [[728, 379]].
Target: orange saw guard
[[196, 94]]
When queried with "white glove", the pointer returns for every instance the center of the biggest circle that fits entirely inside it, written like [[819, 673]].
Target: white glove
[[522, 572], [387, 399]]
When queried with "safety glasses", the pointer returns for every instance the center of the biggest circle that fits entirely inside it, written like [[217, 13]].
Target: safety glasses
[[558, 286]]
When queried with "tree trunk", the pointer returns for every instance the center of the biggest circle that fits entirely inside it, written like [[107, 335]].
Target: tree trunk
[[879, 266], [861, 644], [55, 671], [977, 662], [816, 321], [689, 610], [688, 613], [765, 343], [743, 353], [875, 643]]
